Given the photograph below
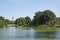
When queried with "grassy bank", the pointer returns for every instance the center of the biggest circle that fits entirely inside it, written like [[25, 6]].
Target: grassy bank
[[45, 29]]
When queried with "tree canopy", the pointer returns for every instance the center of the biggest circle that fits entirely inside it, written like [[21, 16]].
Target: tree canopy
[[28, 21], [42, 18], [20, 21], [46, 17]]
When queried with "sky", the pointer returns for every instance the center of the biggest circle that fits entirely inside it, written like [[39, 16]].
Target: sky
[[23, 8]]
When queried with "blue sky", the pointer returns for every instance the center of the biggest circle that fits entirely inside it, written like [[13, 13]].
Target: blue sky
[[22, 8]]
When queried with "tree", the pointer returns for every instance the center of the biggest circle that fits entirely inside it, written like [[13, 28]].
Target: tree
[[20, 21], [42, 18], [28, 21], [2, 21], [49, 15], [58, 20], [1, 18], [36, 17], [2, 24]]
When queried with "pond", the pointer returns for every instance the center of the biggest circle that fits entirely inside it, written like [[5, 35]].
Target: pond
[[13, 33]]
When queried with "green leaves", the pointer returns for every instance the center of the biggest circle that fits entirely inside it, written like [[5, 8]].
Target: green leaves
[[4, 22], [45, 17], [28, 21], [20, 21], [42, 18]]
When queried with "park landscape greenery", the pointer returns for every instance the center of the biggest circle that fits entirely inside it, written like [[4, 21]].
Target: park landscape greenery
[[41, 18]]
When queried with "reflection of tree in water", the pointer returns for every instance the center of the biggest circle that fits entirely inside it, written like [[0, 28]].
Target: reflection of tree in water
[[45, 34], [31, 33]]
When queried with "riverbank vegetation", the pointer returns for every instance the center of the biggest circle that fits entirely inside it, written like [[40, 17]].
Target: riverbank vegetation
[[4, 22], [40, 19], [45, 29]]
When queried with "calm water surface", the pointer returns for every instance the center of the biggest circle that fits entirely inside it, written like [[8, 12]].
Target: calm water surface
[[13, 33]]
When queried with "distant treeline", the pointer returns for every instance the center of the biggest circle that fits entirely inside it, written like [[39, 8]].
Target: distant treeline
[[45, 17]]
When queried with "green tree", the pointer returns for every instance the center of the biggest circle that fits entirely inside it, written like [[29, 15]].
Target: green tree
[[49, 15], [35, 20], [28, 21], [7, 22], [2, 24], [1, 18], [42, 18], [58, 20], [20, 21]]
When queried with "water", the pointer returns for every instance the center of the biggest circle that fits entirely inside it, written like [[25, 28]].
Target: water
[[13, 33]]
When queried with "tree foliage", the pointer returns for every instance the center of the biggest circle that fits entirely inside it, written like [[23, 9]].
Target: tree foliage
[[20, 21], [58, 20], [42, 18], [4, 22], [28, 21]]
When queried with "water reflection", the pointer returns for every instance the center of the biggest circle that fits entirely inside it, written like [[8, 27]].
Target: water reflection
[[9, 33], [13, 33], [44, 34], [31, 33], [58, 34], [1, 34]]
